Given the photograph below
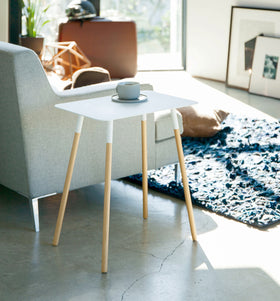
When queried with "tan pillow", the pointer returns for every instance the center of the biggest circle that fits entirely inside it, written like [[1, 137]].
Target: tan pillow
[[201, 120]]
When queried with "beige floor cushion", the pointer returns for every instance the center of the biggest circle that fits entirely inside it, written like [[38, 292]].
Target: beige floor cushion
[[201, 120]]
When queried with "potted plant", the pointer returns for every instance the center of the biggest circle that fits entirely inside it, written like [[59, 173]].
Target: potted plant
[[34, 18]]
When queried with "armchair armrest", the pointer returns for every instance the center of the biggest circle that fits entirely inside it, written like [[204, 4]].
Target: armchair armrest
[[92, 91]]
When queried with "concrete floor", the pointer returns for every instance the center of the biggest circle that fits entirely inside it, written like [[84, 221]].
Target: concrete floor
[[152, 259]]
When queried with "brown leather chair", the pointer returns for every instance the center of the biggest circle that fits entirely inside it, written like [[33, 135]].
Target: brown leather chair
[[108, 44]]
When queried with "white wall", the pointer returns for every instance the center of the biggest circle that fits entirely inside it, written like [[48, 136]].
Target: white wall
[[4, 17], [208, 25]]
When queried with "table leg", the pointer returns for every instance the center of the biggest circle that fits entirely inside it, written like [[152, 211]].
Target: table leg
[[68, 180], [184, 174], [144, 166], [107, 195]]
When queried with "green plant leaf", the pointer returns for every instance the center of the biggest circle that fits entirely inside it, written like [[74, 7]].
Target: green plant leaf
[[35, 16]]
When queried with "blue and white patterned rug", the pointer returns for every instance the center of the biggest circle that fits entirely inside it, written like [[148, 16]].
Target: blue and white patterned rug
[[236, 173]]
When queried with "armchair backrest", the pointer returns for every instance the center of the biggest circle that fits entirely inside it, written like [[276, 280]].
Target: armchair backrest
[[23, 86]]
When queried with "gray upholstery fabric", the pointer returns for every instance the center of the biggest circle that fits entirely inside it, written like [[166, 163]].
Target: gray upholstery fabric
[[36, 137], [166, 152], [164, 126], [13, 169]]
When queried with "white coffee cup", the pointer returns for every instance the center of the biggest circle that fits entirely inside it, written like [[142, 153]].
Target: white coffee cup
[[128, 90]]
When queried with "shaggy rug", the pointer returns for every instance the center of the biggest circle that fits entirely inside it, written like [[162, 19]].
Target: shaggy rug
[[236, 173]]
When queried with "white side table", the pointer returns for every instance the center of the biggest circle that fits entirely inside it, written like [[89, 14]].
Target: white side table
[[104, 109]]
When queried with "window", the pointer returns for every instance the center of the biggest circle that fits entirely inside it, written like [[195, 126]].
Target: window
[[159, 30]]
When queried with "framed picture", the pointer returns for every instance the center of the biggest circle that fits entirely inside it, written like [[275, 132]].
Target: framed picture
[[246, 25], [265, 77]]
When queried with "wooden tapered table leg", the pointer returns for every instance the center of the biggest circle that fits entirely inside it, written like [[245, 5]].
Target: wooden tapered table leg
[[184, 174], [68, 181], [107, 196], [144, 166]]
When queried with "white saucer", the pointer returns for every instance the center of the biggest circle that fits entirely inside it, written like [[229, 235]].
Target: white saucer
[[141, 98]]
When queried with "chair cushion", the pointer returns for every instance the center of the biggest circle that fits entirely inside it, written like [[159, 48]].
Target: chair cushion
[[164, 126], [201, 120]]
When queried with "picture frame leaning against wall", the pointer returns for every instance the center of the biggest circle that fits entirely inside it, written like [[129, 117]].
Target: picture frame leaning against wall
[[265, 77], [246, 24]]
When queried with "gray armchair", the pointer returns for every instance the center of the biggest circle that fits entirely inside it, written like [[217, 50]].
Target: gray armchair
[[36, 137]]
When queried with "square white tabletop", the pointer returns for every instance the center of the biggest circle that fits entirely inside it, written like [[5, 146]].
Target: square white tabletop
[[104, 109]]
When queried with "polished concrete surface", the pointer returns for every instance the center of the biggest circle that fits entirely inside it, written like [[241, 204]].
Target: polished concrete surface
[[153, 259]]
